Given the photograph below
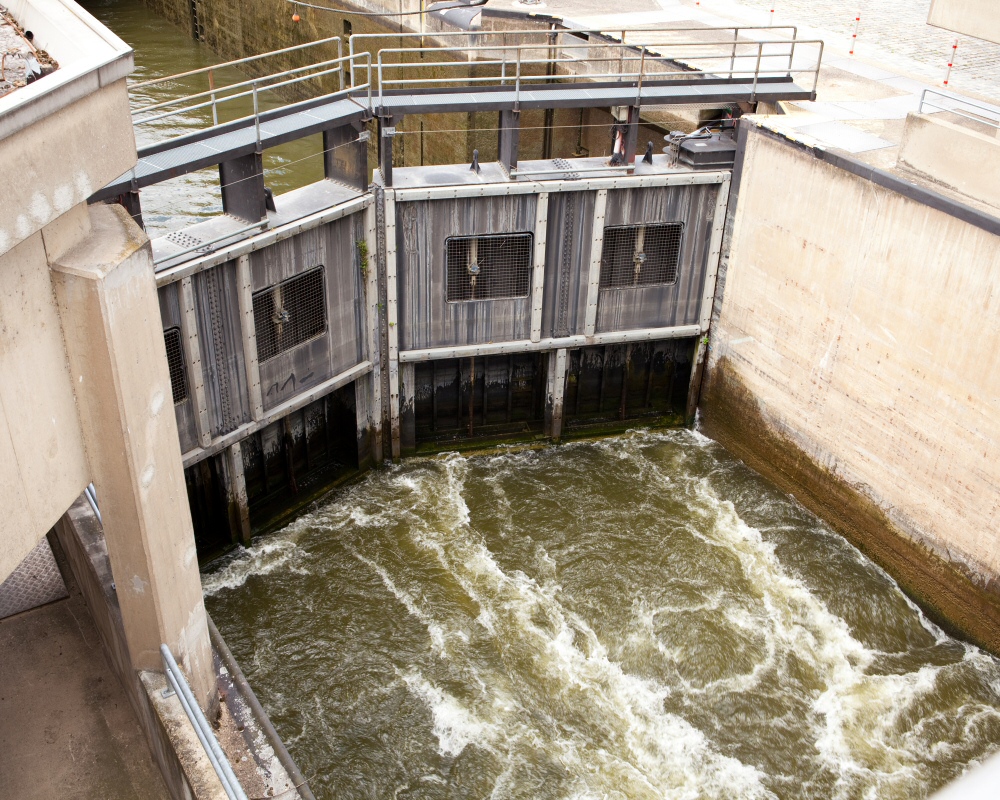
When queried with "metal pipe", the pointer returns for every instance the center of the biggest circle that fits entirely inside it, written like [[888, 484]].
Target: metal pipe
[[194, 713], [340, 57], [517, 83], [527, 346], [961, 101], [245, 60], [241, 684], [91, 493], [638, 87], [756, 72], [732, 59], [215, 111], [212, 94], [256, 115]]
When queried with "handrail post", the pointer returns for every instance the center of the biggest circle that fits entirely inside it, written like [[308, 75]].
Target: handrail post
[[642, 66], [350, 51], [503, 59], [340, 63], [369, 64], [621, 58], [819, 62], [756, 72], [732, 58], [380, 102], [517, 81], [211, 85], [256, 115], [791, 58]]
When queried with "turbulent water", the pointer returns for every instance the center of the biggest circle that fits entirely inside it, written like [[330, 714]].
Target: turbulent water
[[640, 617]]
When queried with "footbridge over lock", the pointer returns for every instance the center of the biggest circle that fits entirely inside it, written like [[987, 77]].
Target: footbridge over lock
[[390, 309]]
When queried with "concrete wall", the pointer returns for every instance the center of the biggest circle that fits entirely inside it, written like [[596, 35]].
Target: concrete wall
[[964, 159], [43, 465], [853, 360], [977, 18], [49, 165], [171, 737]]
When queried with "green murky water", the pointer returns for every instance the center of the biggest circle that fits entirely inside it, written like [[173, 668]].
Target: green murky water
[[640, 617]]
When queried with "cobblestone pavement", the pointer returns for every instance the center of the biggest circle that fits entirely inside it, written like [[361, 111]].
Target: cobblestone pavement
[[892, 32]]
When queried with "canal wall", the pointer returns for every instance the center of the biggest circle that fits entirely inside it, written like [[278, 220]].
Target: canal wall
[[853, 361]]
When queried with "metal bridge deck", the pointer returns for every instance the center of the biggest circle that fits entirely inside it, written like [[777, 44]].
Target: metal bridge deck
[[207, 148]]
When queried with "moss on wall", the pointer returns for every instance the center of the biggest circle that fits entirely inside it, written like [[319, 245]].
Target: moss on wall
[[962, 603]]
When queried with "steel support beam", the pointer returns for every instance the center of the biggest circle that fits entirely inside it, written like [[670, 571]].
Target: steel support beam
[[509, 139], [242, 183], [386, 132], [345, 155]]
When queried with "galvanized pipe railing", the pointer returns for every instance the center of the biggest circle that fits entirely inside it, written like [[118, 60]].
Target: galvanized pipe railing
[[239, 61], [206, 736], [962, 107], [255, 88], [640, 36], [757, 54]]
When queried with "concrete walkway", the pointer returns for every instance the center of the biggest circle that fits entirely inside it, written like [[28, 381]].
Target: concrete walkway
[[67, 731]]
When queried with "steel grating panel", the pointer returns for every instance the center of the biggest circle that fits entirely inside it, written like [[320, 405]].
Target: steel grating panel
[[488, 267], [640, 255], [175, 363], [289, 313], [35, 582]]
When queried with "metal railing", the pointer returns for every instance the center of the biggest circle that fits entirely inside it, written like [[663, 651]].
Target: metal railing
[[91, 494], [962, 107], [207, 738], [638, 56], [510, 59], [251, 89]]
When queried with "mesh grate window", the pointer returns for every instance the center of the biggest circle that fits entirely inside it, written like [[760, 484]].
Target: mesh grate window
[[488, 267], [175, 361], [289, 313], [640, 255]]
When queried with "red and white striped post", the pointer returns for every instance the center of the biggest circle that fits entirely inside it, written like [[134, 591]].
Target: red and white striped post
[[951, 63], [854, 38], [770, 24]]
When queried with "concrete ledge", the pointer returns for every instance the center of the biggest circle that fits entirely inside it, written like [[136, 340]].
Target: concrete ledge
[[89, 55], [977, 18], [963, 159], [197, 776]]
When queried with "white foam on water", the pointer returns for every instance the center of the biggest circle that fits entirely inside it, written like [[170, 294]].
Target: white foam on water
[[434, 630], [455, 725], [260, 559], [656, 753]]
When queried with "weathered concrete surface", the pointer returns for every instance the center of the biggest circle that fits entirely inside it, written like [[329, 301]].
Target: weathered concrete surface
[[854, 362], [66, 727], [107, 301], [977, 18], [200, 780], [43, 466], [964, 159], [61, 160]]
